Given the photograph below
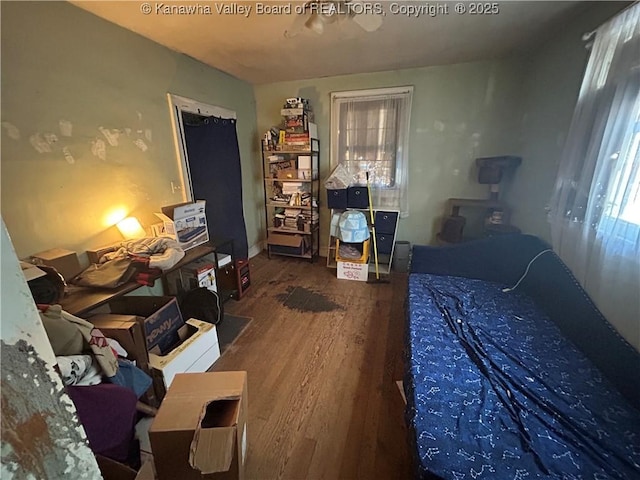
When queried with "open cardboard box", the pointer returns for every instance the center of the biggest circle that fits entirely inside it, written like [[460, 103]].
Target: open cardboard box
[[112, 470], [200, 431], [197, 351], [127, 331], [186, 223], [160, 318], [288, 244]]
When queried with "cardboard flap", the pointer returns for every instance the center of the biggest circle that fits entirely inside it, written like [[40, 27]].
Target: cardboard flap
[[214, 440], [163, 217]]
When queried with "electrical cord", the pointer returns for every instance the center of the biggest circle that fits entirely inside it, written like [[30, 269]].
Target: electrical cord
[[526, 271]]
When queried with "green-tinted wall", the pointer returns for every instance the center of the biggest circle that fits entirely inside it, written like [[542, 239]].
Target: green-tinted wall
[[460, 112], [63, 66], [519, 106]]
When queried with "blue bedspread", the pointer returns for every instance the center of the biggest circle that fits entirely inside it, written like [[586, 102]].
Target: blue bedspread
[[496, 392]]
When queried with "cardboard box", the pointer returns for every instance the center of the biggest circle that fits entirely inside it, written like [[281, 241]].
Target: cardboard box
[[286, 244], [199, 273], [185, 222], [160, 318], [288, 173], [197, 351], [113, 470], [64, 261], [147, 471], [200, 431], [353, 271], [95, 254], [127, 331]]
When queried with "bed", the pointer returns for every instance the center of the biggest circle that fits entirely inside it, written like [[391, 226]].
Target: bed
[[515, 383]]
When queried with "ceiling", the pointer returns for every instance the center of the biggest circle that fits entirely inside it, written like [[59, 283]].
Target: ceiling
[[254, 48]]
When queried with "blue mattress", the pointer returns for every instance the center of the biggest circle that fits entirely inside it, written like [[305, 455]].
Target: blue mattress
[[495, 391]]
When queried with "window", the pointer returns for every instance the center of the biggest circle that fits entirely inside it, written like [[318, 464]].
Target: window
[[370, 134], [595, 209], [625, 188]]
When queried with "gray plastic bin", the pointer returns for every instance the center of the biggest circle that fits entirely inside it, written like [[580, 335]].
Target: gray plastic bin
[[401, 255]]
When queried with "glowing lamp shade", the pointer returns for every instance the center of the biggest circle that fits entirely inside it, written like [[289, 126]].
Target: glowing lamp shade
[[130, 228]]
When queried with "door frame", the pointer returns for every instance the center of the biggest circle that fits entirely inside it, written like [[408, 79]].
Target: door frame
[[177, 105]]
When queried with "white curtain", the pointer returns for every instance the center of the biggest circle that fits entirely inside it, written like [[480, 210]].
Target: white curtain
[[370, 133], [595, 209]]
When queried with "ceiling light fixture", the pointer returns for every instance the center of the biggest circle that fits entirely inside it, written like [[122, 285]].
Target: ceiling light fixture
[[315, 24], [319, 13]]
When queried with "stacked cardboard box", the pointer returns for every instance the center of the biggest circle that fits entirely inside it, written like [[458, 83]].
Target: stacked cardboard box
[[200, 431]]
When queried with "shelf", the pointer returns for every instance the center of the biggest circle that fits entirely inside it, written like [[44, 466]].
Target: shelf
[[288, 152], [304, 180], [286, 205], [305, 255], [474, 202], [291, 230], [454, 204]]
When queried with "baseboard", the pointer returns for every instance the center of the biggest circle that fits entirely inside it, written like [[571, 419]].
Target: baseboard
[[255, 249], [400, 386]]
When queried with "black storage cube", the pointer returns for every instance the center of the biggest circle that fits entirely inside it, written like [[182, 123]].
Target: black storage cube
[[386, 222], [337, 198], [357, 197], [384, 242]]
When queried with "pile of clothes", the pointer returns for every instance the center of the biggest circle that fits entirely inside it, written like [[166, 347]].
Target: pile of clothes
[[141, 260], [102, 383]]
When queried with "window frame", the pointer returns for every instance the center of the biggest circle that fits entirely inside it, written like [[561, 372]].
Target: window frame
[[402, 148]]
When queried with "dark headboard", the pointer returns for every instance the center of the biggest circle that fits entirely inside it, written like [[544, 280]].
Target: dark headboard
[[551, 284]]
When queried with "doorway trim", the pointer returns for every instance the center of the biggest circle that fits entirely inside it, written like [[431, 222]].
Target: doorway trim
[[177, 105]]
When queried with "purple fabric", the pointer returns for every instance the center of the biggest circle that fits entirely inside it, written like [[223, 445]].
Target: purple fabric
[[108, 414]]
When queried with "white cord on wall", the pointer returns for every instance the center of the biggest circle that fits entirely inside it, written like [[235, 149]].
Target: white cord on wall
[[526, 271]]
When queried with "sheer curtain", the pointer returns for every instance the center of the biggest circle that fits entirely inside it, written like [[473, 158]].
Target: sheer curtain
[[595, 209], [370, 133]]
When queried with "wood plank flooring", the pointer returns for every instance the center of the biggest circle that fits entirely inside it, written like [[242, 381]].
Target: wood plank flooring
[[322, 357]]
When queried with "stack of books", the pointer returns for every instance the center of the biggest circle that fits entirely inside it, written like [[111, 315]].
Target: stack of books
[[296, 117]]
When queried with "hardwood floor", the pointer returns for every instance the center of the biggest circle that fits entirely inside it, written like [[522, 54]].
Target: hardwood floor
[[322, 357]]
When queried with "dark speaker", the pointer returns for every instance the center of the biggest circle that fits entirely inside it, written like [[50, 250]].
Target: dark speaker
[[489, 174], [452, 229], [490, 169]]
